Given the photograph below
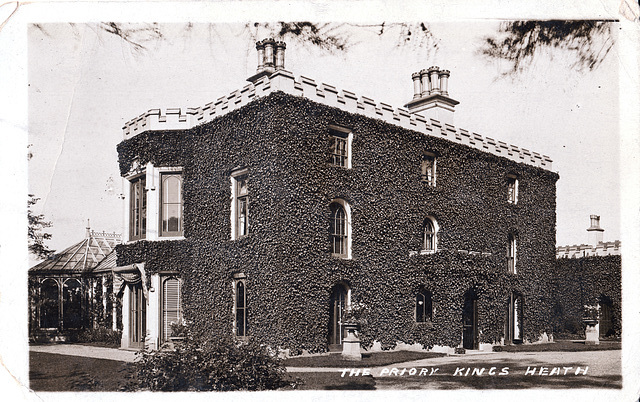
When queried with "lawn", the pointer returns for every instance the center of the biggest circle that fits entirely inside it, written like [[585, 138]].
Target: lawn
[[368, 359], [562, 346], [54, 372], [333, 381]]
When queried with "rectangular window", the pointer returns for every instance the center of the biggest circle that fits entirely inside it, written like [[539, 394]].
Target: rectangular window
[[511, 255], [340, 147], [138, 209], [171, 311], [239, 204], [512, 189], [429, 169], [424, 306], [171, 204]]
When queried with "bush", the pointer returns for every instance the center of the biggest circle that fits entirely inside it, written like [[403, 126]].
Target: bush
[[201, 364], [99, 335]]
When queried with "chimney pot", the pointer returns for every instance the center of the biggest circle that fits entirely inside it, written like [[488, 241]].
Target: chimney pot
[[595, 232], [444, 82], [417, 90], [433, 79], [268, 52], [426, 85], [260, 49], [280, 47]]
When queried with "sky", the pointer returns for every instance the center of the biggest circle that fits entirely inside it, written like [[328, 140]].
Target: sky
[[84, 84]]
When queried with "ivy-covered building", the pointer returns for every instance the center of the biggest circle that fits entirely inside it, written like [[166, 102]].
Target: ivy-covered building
[[271, 210], [588, 275]]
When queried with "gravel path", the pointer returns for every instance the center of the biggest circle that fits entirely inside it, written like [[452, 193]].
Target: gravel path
[[86, 351]]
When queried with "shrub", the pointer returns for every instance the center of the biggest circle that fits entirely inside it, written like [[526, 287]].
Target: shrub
[[203, 364], [99, 335]]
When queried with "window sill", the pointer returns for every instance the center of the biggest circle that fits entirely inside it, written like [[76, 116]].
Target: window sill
[[422, 252], [341, 256], [166, 238]]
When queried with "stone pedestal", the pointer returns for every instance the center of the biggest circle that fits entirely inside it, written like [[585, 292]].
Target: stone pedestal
[[351, 343], [592, 332]]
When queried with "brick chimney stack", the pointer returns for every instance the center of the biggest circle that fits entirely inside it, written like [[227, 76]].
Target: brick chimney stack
[[595, 232], [431, 95], [270, 58]]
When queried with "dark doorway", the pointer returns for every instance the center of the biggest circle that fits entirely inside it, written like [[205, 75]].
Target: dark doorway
[[606, 321], [137, 316], [337, 304], [470, 321], [514, 319]]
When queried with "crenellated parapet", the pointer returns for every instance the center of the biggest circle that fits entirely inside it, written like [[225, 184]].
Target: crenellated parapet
[[157, 119], [589, 250], [282, 80]]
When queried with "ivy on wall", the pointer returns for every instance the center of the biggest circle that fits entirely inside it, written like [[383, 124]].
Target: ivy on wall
[[283, 142], [586, 281]]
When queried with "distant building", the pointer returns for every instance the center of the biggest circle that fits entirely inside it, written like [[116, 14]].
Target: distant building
[[594, 247], [266, 214], [588, 275]]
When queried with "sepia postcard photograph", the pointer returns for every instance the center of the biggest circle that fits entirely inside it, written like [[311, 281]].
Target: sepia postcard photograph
[[252, 200]]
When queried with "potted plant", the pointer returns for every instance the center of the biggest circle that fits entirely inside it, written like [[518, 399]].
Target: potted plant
[[353, 319]]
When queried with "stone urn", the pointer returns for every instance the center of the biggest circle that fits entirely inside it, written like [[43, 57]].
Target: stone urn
[[351, 343], [592, 331]]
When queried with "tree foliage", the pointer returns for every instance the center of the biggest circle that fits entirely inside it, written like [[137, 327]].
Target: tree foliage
[[520, 42], [36, 234]]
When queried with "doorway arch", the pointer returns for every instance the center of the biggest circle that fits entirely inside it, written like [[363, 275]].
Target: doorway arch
[[338, 302], [470, 320]]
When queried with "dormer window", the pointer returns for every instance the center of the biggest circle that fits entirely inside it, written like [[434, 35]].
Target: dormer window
[[512, 189], [428, 169], [340, 146]]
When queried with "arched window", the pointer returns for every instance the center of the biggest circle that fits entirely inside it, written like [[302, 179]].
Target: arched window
[[430, 236], [171, 208], [340, 229], [72, 304], [50, 304], [511, 254], [171, 312], [241, 308], [424, 306]]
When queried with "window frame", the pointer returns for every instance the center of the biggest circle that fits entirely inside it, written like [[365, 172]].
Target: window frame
[[240, 279], [433, 234], [427, 307], [346, 235], [163, 304], [512, 254], [338, 134], [512, 189], [429, 159], [161, 204], [237, 177], [138, 182], [515, 319]]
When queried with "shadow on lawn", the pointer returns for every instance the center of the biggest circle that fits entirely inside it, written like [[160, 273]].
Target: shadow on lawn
[[516, 379]]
